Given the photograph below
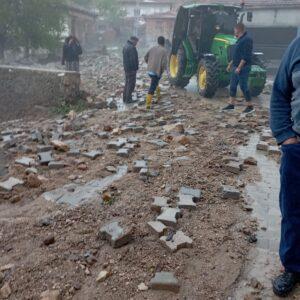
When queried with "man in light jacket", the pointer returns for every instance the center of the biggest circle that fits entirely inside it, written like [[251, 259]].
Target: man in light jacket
[[157, 60]]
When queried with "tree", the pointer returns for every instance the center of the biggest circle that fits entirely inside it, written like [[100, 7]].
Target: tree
[[31, 24]]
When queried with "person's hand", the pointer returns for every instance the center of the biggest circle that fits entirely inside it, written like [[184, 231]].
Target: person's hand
[[228, 69], [290, 141], [238, 70]]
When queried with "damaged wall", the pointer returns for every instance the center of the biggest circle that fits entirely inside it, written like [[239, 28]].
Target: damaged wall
[[22, 89]]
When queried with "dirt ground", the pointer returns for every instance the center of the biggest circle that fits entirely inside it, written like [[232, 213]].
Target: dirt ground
[[219, 228]]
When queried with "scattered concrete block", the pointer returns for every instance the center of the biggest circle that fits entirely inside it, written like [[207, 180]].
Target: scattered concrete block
[[186, 201], [229, 192], [144, 172], [165, 281], [157, 227], [169, 216], [262, 146], [196, 193], [133, 139], [93, 154], [158, 143], [159, 203], [139, 164], [45, 157], [10, 183], [55, 165], [115, 234], [103, 135], [178, 241], [123, 152], [9, 141], [117, 144], [234, 167], [36, 136], [274, 150], [44, 148], [74, 152], [25, 161]]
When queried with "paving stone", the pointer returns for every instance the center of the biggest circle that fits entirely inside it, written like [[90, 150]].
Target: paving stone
[[165, 281], [158, 143], [117, 144], [157, 228], [178, 241], [159, 203], [123, 152], [274, 150], [55, 165], [115, 234], [263, 146], [45, 157], [229, 192], [139, 164], [44, 148], [196, 193], [169, 216], [93, 154], [10, 183], [186, 201], [25, 161], [234, 167]]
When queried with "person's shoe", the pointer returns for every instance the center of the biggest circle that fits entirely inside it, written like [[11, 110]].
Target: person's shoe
[[285, 283], [248, 110], [228, 107], [148, 101]]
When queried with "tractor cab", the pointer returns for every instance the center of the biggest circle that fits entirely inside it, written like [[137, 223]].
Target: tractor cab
[[202, 44]]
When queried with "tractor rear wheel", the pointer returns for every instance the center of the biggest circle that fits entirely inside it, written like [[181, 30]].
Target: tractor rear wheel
[[177, 65], [207, 76]]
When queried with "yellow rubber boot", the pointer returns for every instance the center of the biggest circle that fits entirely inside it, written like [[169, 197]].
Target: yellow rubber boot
[[158, 93], [148, 101]]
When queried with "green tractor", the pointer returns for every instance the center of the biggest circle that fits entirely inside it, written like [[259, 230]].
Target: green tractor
[[203, 44]]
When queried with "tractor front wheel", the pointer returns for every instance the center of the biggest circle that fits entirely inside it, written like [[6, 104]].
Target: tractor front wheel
[[207, 78]]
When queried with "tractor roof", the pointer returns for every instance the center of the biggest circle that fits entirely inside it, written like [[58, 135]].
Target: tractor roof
[[216, 5]]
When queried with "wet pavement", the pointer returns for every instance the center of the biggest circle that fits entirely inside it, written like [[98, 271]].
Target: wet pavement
[[263, 261]]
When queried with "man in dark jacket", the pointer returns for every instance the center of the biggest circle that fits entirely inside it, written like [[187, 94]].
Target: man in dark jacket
[[241, 67], [131, 66], [285, 124], [71, 52]]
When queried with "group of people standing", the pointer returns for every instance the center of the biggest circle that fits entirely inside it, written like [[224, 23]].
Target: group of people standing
[[156, 59]]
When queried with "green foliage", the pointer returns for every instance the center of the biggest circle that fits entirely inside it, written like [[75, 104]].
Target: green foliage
[[32, 23], [64, 107]]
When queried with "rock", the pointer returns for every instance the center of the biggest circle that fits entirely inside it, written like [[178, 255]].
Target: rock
[[55, 165], [6, 267], [111, 169], [10, 183], [103, 275], [263, 146], [158, 203], [5, 291], [1, 277], [169, 216], [250, 161], [182, 139], [196, 193], [44, 222], [9, 141], [139, 164], [179, 240], [115, 234], [142, 287], [93, 154], [117, 144], [234, 167], [74, 152], [25, 161], [123, 152], [254, 283], [175, 128], [31, 170], [186, 201], [49, 240], [103, 135], [33, 181], [274, 150], [45, 157], [44, 148], [51, 295], [158, 143], [229, 192], [60, 146], [157, 228], [165, 281], [15, 199], [82, 166]]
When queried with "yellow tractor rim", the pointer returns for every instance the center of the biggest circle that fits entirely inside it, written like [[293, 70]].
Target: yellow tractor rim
[[202, 76], [174, 65]]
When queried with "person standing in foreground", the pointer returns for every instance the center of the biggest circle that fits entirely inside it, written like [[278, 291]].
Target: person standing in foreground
[[285, 125], [71, 52], [240, 67], [157, 60], [131, 66]]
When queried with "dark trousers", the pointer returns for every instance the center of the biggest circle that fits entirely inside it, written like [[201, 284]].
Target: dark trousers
[[242, 80], [154, 84], [290, 208], [130, 82]]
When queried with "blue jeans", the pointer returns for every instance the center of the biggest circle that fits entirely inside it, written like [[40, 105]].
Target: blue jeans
[[154, 84], [242, 80], [290, 208]]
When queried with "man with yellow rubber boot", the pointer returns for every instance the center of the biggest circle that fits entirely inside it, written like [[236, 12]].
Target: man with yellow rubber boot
[[157, 60]]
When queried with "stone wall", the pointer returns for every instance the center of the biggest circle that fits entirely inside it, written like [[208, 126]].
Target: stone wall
[[23, 89]]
